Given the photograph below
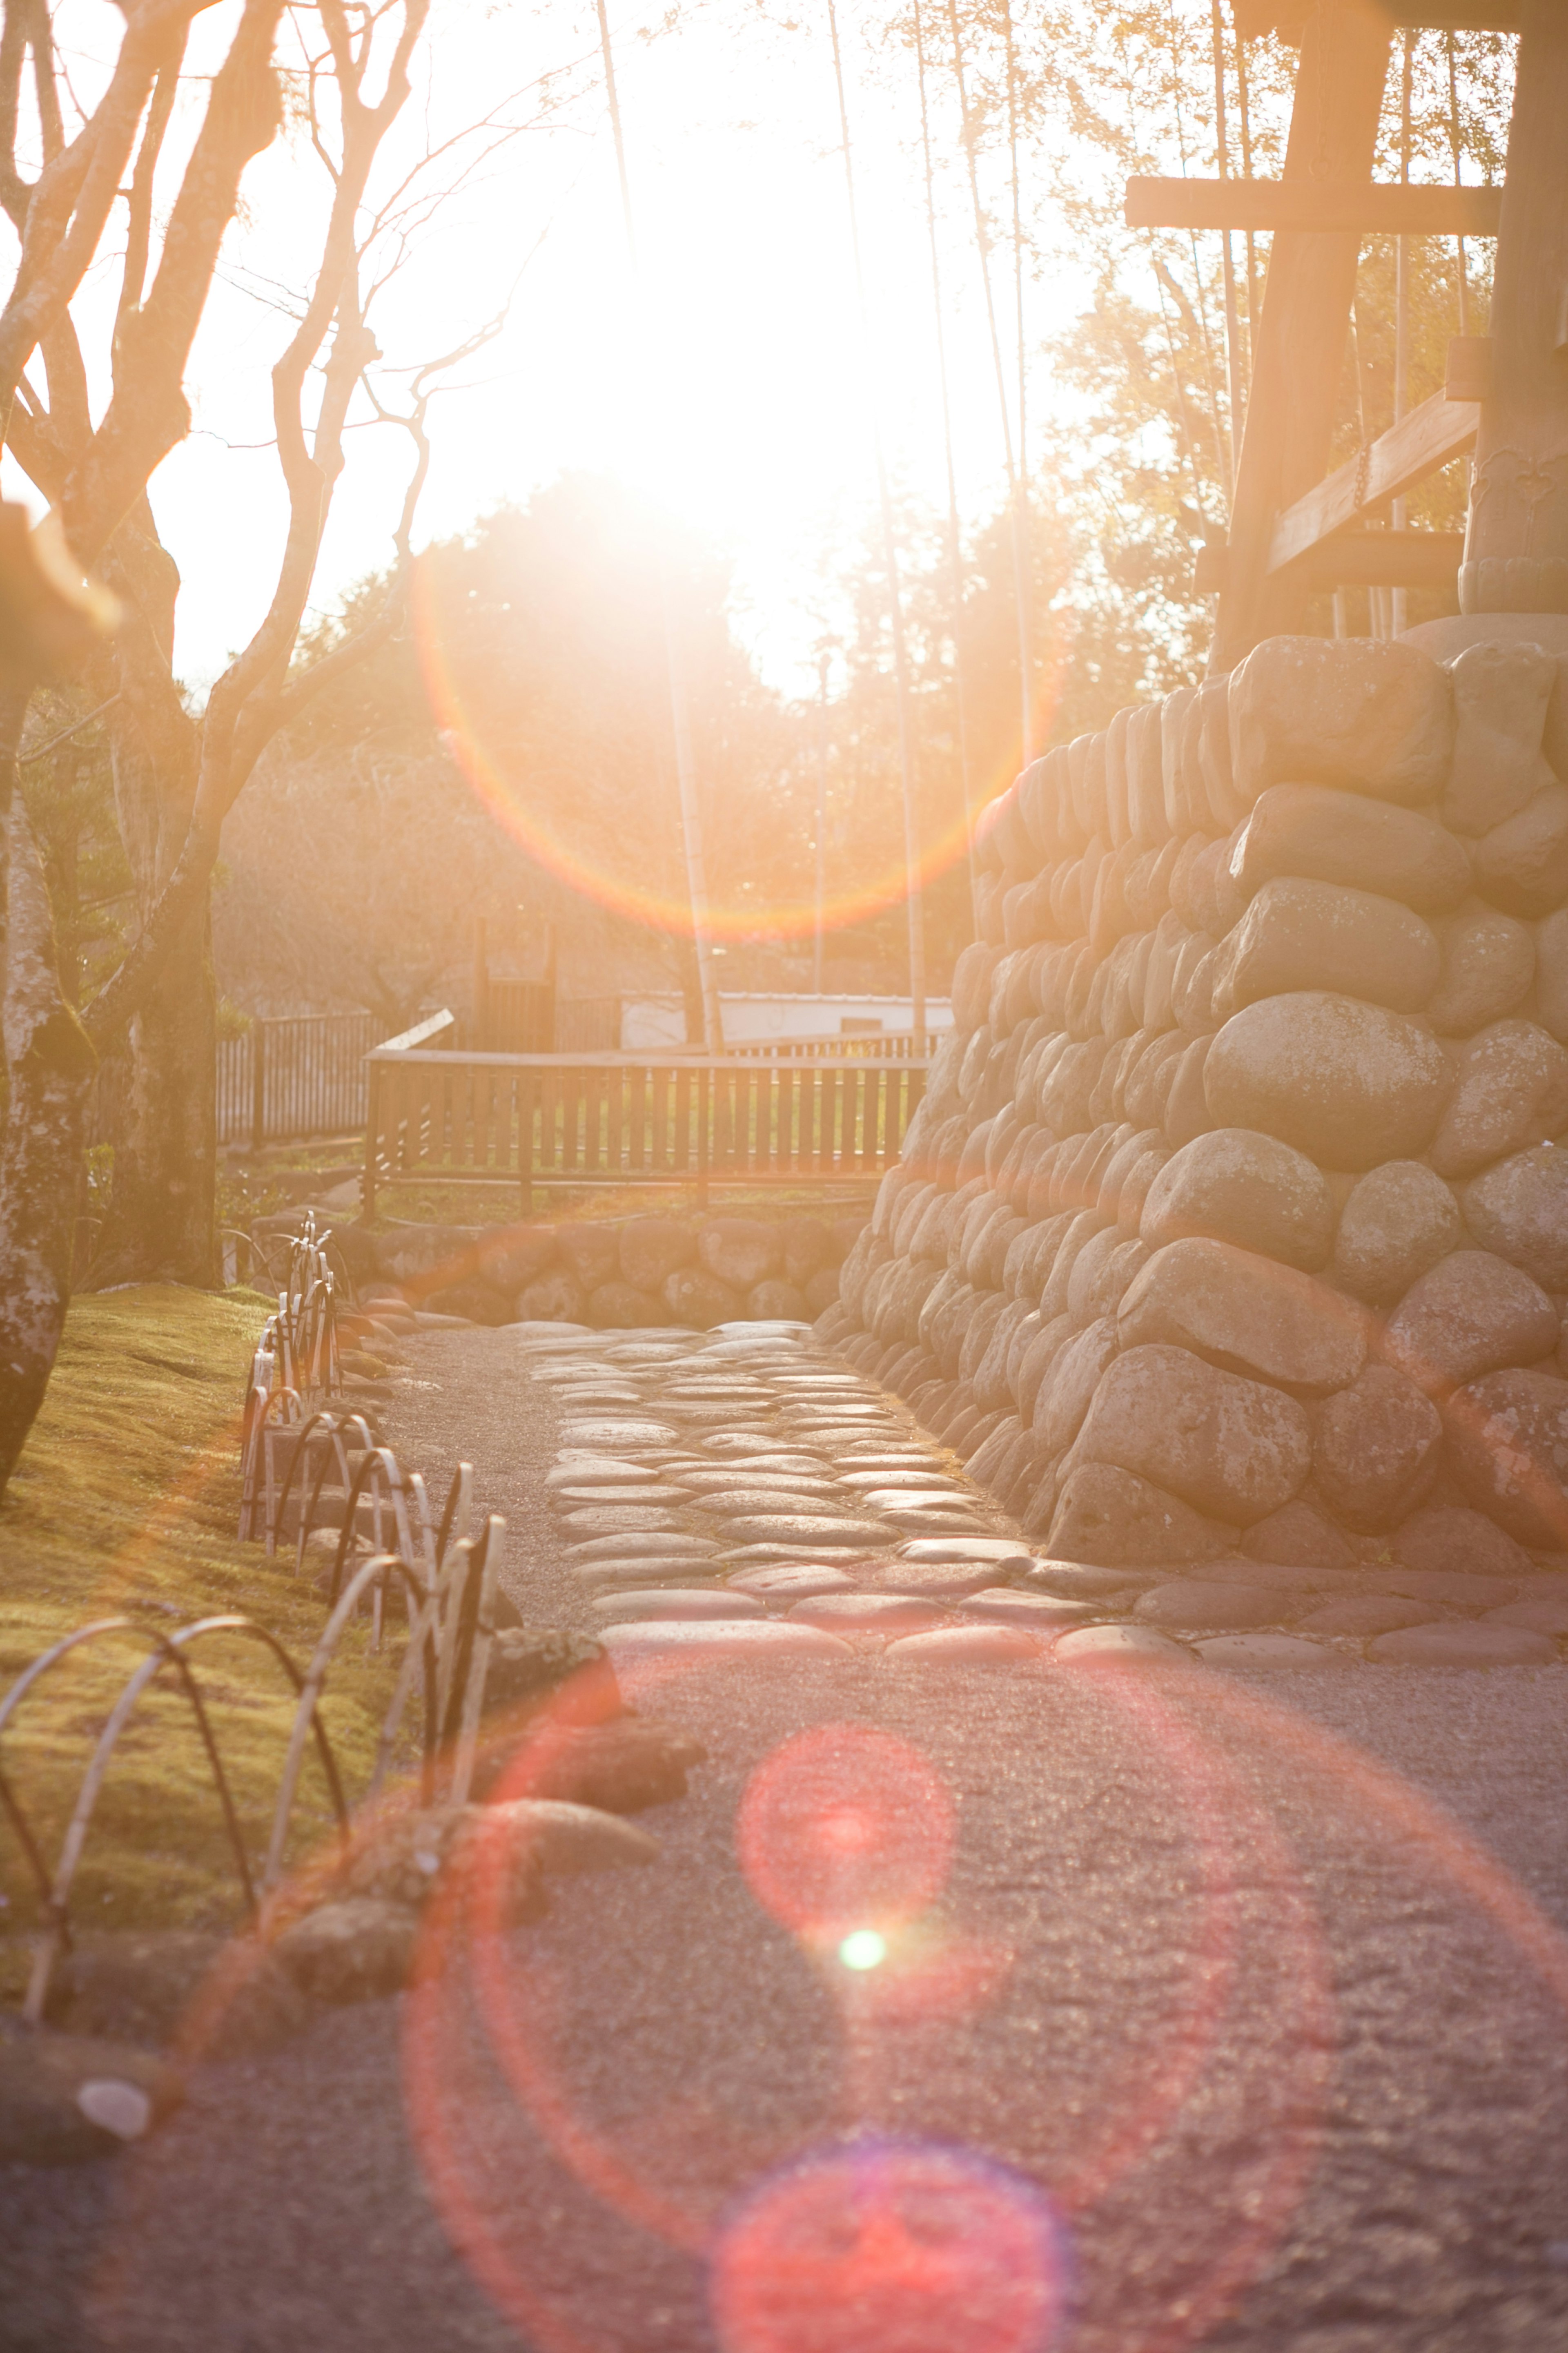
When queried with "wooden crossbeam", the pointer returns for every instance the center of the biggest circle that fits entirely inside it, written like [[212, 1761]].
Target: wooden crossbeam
[[1395, 462], [1289, 17], [1371, 208], [1385, 559]]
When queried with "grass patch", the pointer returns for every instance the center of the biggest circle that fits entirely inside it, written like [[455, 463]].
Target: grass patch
[[125, 1503]]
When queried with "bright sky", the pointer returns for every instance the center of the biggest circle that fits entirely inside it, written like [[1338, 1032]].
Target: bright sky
[[745, 409]]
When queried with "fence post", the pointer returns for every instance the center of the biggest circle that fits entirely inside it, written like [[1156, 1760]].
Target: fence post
[[704, 1113], [367, 1183], [257, 1083]]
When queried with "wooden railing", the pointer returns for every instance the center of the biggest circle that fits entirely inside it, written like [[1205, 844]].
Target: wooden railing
[[458, 1117], [876, 1046]]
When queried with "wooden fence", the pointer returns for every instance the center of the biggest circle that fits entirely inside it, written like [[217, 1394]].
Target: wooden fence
[[300, 1076], [442, 1115]]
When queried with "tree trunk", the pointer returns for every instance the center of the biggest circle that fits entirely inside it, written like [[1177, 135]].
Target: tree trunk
[[162, 1222], [49, 1065]]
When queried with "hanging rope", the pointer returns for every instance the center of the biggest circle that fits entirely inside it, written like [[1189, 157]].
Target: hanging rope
[[982, 246], [915, 902], [954, 560], [679, 701]]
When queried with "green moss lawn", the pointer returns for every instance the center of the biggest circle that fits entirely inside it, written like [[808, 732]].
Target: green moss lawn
[[125, 1503]]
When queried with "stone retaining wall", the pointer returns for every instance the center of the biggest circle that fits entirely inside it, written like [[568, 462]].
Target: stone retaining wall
[[1236, 1215], [614, 1273]]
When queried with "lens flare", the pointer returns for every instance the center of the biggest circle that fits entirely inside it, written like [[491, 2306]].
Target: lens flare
[[514, 801], [841, 1826], [891, 2247], [862, 1949]]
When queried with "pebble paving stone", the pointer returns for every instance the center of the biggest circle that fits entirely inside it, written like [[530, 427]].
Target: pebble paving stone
[[1271, 1651], [966, 1646], [1463, 1643]]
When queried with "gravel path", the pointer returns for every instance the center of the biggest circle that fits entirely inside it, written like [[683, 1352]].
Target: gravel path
[[1247, 1987]]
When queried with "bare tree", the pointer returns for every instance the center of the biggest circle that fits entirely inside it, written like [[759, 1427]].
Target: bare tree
[[176, 771]]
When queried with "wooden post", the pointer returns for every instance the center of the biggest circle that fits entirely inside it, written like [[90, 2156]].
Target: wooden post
[[1301, 341], [481, 1037], [372, 1123], [257, 1083], [1516, 552]]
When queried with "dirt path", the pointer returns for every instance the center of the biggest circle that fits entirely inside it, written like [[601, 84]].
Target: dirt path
[[1227, 2014]]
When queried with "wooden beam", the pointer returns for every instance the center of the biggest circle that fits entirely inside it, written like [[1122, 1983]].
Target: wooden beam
[[1288, 17], [1395, 462], [1304, 323], [1385, 559], [1369, 207]]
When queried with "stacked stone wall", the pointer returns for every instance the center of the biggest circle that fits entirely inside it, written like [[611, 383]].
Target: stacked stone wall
[[1236, 1216]]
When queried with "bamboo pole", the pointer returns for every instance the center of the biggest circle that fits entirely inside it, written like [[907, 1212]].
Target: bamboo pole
[[675, 665], [915, 900]]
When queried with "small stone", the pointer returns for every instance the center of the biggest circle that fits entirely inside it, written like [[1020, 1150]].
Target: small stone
[[1538, 1615], [618, 1434], [1444, 1588], [1074, 1580], [65, 2099], [554, 1836], [653, 1249], [1299, 1537], [1451, 1540], [743, 1500], [993, 1551], [617, 1307], [1045, 1613], [1237, 1185], [1120, 1646], [1489, 962], [1510, 1091], [775, 1300], [1267, 1651], [741, 1639], [1375, 715], [1376, 1450], [1246, 1314], [740, 1253], [1518, 1209], [618, 1768], [357, 1949], [617, 1519], [1107, 1515], [1473, 1314], [695, 1297], [1229, 1447], [928, 1581], [1397, 1222], [791, 1583], [554, 1298], [1463, 1645], [1509, 1438], [652, 1543], [1365, 1614], [601, 1469], [1346, 1083], [1301, 934], [966, 1646], [592, 1253], [802, 1527], [1197, 1605], [902, 1480], [868, 1613], [677, 1602], [564, 1498]]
